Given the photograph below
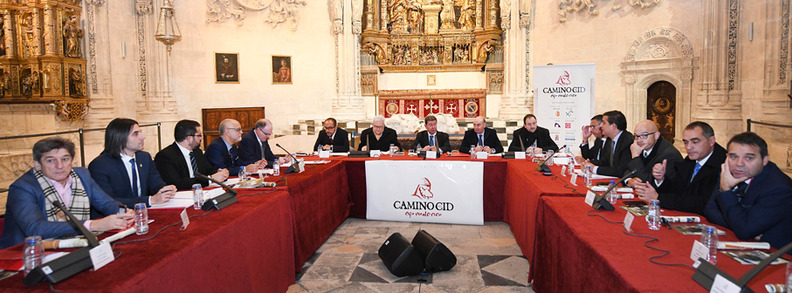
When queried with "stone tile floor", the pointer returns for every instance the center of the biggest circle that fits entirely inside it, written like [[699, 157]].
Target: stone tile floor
[[488, 260]]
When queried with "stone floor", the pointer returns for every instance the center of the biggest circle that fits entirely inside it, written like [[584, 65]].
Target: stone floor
[[488, 260]]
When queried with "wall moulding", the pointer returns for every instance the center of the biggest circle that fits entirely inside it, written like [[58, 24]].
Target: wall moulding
[[275, 11]]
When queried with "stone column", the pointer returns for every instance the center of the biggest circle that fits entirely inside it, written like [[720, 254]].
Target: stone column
[[348, 103], [383, 16], [431, 18], [369, 16], [515, 101], [37, 30], [50, 35], [479, 15], [8, 27]]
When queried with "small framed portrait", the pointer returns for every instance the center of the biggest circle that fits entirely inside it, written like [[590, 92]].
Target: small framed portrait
[[281, 70], [226, 68], [431, 80]]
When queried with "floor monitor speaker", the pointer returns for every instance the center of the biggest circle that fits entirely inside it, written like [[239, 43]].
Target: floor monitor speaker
[[437, 257], [400, 257]]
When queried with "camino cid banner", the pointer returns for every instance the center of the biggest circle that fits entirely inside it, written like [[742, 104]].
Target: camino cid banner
[[564, 100], [448, 192]]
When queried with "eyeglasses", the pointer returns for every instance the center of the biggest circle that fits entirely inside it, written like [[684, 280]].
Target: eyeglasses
[[644, 136], [197, 135], [264, 133], [236, 129]]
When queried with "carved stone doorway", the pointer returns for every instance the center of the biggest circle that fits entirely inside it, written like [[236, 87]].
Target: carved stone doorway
[[661, 107]]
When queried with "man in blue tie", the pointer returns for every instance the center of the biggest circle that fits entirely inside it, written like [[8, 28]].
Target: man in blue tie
[[481, 137], [125, 171], [222, 153], [754, 196], [696, 176], [431, 139]]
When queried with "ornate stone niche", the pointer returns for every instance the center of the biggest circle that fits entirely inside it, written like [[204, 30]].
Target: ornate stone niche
[[41, 56], [431, 35]]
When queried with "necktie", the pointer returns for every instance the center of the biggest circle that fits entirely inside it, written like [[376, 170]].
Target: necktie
[[134, 178], [233, 154], [263, 151], [193, 163], [695, 171], [481, 140], [740, 190], [431, 140]]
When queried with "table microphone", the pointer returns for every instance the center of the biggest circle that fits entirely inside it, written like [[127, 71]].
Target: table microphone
[[601, 202], [220, 201], [542, 167], [294, 168]]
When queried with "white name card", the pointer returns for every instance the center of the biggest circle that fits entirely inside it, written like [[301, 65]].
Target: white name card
[[628, 220], [375, 153], [699, 250], [519, 155], [723, 285], [101, 255], [590, 198], [431, 154], [185, 218], [573, 179], [481, 155], [324, 154]]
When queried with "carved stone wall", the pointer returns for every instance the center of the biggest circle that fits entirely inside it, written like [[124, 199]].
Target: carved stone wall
[[659, 54]]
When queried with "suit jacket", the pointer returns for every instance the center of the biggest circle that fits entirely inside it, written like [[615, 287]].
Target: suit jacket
[[621, 158], [110, 173], [441, 141], [590, 153], [662, 150], [680, 193], [340, 141], [174, 169], [25, 214], [388, 137], [763, 210], [250, 150], [220, 157], [490, 139], [541, 136]]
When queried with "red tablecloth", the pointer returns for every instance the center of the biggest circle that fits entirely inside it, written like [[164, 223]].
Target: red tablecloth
[[580, 253], [494, 175], [246, 247]]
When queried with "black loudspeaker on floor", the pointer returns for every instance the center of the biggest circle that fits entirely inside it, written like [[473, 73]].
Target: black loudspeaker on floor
[[403, 258]]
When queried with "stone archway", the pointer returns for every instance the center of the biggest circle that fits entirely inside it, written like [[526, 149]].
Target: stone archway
[[660, 54]]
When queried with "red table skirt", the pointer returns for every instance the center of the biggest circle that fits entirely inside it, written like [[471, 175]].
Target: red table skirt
[[246, 247], [580, 253]]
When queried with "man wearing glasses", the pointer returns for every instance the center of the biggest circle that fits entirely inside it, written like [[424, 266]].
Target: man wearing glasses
[[332, 138], [178, 162], [648, 149], [222, 153], [255, 149]]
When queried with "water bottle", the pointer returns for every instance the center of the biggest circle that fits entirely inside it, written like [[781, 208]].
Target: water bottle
[[548, 159], [33, 253], [710, 238], [653, 215], [275, 168], [390, 150], [612, 196], [198, 199], [588, 175], [571, 167], [141, 219], [318, 149], [418, 148], [472, 151], [242, 174]]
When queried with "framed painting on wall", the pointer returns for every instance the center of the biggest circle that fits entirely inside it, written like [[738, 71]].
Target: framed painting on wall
[[281, 70], [226, 68]]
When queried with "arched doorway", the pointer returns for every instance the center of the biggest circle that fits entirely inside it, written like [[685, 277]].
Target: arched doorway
[[661, 107]]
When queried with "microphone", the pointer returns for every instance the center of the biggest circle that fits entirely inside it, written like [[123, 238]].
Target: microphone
[[220, 201], [522, 146], [295, 166], [706, 272], [542, 167], [68, 265], [601, 202]]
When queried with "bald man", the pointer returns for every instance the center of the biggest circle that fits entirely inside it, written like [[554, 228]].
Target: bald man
[[648, 149], [255, 149], [222, 153], [483, 138]]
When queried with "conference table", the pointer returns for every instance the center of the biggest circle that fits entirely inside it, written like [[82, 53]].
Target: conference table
[[260, 242]]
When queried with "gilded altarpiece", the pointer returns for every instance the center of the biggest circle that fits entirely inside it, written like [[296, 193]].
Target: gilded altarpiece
[[41, 59]]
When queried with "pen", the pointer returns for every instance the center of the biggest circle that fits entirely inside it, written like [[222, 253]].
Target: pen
[[665, 223]]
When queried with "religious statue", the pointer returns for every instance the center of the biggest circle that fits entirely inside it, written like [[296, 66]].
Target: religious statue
[[483, 51], [447, 15], [416, 16], [397, 11], [378, 52], [5, 83], [467, 14], [28, 36], [398, 58], [2, 39], [72, 33], [76, 83]]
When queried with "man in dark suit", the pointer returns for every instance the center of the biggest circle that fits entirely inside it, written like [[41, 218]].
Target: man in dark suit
[[481, 137], [378, 137], [178, 162], [532, 134], [125, 171], [254, 149], [332, 137], [696, 176], [589, 151], [222, 153], [431, 139], [754, 197], [616, 153], [648, 149], [29, 209]]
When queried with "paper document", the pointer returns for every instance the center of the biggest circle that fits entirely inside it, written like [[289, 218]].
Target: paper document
[[595, 176], [724, 245]]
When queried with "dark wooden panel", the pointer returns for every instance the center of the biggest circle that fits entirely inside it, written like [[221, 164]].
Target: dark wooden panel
[[247, 117]]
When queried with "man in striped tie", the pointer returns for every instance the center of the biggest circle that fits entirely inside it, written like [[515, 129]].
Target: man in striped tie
[[178, 163]]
